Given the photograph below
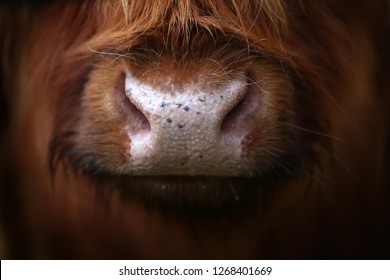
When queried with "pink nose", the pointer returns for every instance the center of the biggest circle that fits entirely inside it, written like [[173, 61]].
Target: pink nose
[[189, 130]]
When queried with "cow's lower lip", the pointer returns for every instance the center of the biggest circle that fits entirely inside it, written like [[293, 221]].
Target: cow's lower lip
[[190, 194]]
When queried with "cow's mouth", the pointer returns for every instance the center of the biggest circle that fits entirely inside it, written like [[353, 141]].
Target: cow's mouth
[[195, 194], [199, 195]]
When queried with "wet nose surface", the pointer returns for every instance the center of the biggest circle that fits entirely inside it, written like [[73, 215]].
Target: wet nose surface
[[185, 136]]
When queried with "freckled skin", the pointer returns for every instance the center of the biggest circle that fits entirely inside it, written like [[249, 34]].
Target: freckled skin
[[178, 135]]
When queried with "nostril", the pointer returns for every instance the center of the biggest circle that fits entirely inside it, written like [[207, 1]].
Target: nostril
[[136, 121], [244, 113]]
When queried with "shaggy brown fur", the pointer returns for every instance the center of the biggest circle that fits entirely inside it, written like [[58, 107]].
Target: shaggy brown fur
[[324, 192]]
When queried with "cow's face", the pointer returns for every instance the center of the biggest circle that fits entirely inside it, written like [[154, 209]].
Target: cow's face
[[202, 120], [218, 107], [186, 103]]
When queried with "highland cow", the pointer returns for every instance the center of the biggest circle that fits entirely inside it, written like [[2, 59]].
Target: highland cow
[[195, 129]]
